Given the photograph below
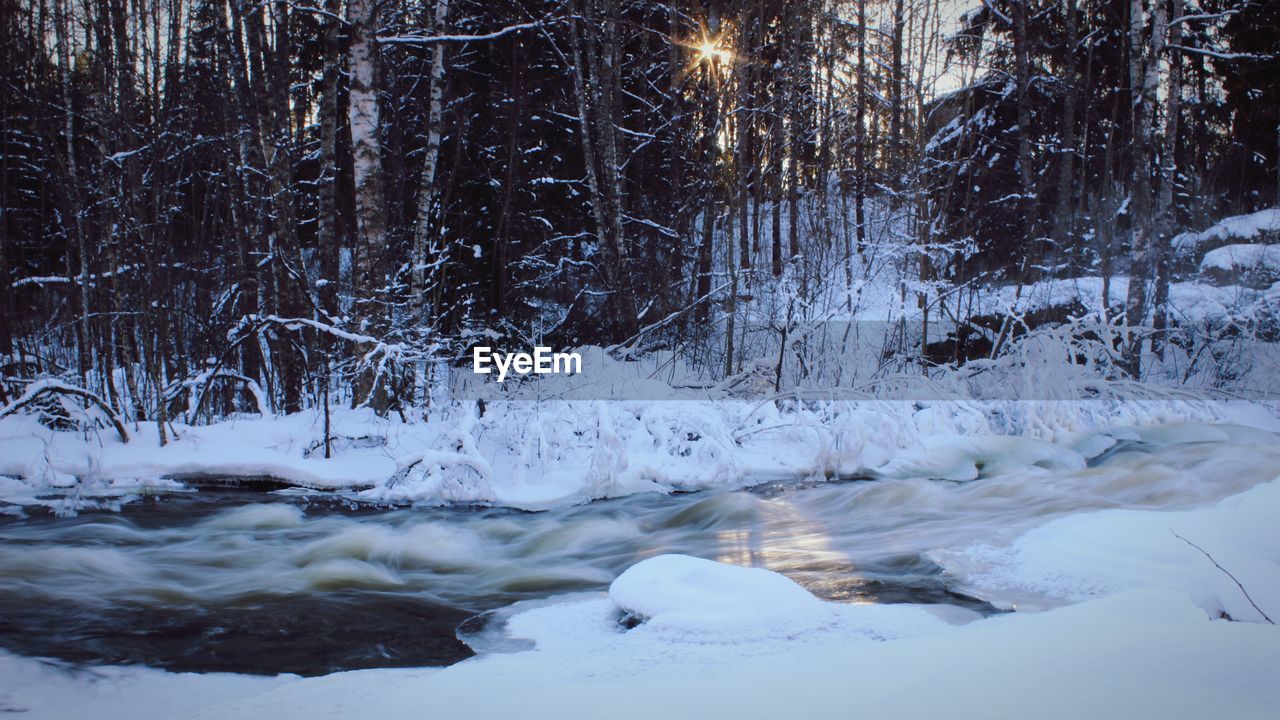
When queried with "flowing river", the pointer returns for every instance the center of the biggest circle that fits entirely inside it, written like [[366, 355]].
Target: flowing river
[[234, 580]]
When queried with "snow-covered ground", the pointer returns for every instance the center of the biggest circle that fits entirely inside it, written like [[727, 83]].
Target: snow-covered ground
[[1145, 637]]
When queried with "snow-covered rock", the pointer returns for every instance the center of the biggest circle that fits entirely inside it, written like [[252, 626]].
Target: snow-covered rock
[[700, 600], [1256, 266], [1241, 227]]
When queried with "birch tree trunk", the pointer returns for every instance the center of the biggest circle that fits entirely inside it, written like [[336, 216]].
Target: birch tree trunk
[[327, 221], [430, 160], [1145, 51], [366, 149], [795, 111], [289, 275], [1164, 223], [245, 210], [584, 133], [711, 125], [860, 130], [609, 89], [895, 95], [741, 150], [596, 86], [73, 202], [776, 152]]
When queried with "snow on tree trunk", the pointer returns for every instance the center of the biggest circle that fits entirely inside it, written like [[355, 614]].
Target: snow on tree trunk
[[1168, 174], [1145, 51], [431, 157], [327, 222]]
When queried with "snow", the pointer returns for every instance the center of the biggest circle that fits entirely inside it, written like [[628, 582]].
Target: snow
[[683, 597], [1145, 638], [1244, 227], [35, 688], [1190, 301], [967, 458], [653, 424], [1242, 257], [1097, 554], [540, 454]]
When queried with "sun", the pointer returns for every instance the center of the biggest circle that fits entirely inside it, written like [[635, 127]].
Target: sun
[[709, 51]]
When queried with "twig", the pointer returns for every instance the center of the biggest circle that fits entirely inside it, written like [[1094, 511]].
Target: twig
[[1228, 574]]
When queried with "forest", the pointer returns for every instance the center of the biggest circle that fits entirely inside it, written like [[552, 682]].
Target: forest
[[286, 200], [640, 359]]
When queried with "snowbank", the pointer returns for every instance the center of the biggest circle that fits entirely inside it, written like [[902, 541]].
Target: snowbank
[[1140, 654], [49, 689], [1243, 227], [1242, 257], [1251, 265], [536, 455], [1096, 554]]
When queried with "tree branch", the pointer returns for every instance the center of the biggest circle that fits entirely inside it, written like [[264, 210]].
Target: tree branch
[[428, 39], [1227, 573]]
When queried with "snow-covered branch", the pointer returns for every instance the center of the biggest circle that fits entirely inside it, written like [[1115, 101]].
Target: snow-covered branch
[[260, 321], [429, 39], [57, 387], [1220, 55]]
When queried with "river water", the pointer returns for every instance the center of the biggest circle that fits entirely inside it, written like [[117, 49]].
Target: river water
[[236, 580]]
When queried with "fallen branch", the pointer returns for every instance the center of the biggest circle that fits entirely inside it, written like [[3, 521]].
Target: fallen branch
[[52, 387], [1227, 573]]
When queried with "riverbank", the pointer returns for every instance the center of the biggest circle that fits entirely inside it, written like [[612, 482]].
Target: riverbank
[[535, 455]]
